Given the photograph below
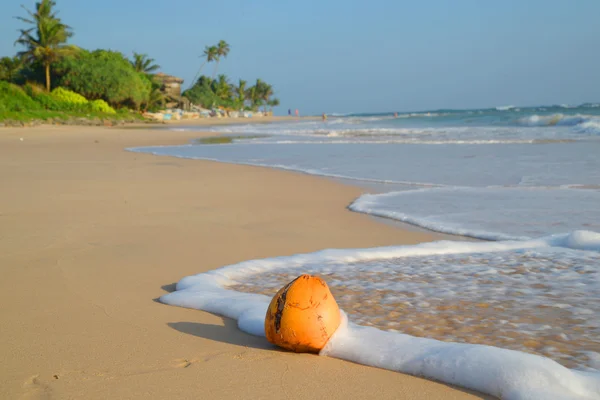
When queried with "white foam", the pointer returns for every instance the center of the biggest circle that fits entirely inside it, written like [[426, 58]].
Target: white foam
[[506, 374], [504, 108], [591, 127], [499, 372], [583, 123], [541, 128]]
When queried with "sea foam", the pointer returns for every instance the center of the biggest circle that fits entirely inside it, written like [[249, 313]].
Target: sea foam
[[582, 123], [507, 374]]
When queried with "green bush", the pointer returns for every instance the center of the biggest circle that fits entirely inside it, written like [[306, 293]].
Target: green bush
[[49, 102], [13, 98], [101, 106], [105, 75], [33, 88], [67, 96], [46, 100]]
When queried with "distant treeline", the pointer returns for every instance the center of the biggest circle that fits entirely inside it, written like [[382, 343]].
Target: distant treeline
[[109, 80]]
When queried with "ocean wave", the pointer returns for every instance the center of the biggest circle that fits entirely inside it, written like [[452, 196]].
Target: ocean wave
[[373, 204], [504, 108], [423, 115], [488, 213], [582, 122], [591, 127], [420, 141], [506, 374]]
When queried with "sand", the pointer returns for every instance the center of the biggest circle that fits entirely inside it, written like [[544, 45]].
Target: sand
[[221, 121], [91, 235]]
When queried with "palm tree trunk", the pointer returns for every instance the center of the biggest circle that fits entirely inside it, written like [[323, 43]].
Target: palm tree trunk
[[197, 75], [48, 77], [215, 71]]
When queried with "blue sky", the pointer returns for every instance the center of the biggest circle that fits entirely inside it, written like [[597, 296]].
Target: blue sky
[[359, 56]]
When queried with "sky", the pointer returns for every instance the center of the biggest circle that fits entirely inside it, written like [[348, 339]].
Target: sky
[[355, 55]]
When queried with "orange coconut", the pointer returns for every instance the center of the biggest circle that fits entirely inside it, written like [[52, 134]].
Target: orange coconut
[[302, 316]]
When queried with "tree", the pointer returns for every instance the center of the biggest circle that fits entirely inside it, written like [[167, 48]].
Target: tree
[[252, 96], [213, 93], [156, 99], [222, 88], [273, 103], [241, 92], [265, 93], [46, 41], [10, 68], [222, 50], [261, 95], [106, 75], [210, 55], [202, 93], [143, 63]]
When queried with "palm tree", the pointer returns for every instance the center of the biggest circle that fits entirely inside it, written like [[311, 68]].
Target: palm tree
[[10, 67], [273, 103], [222, 51], [241, 92], [210, 55], [265, 92], [251, 95], [143, 63], [223, 88], [155, 99], [47, 44], [254, 94]]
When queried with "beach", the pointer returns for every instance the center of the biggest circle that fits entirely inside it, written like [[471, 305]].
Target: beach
[[92, 235]]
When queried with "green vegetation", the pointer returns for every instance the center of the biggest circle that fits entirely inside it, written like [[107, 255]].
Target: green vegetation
[[66, 96], [105, 75], [222, 50], [211, 93], [142, 63], [50, 78], [64, 118], [29, 103], [225, 139], [221, 93], [10, 68], [13, 98], [101, 106], [45, 41]]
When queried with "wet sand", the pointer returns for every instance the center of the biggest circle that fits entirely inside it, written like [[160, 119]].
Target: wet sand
[[504, 301], [91, 235]]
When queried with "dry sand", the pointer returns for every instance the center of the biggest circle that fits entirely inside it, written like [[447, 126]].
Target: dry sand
[[91, 235]]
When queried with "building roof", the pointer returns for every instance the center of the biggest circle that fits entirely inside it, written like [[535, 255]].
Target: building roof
[[168, 78]]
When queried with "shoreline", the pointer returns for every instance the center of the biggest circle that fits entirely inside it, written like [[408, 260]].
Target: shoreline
[[341, 181], [95, 231]]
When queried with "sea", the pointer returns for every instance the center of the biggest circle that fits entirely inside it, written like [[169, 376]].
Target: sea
[[511, 307]]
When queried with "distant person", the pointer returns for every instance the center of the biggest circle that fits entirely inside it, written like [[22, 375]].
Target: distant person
[[395, 115], [290, 112], [297, 113], [324, 117]]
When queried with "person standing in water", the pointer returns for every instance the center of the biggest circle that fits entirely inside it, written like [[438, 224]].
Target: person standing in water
[[297, 114], [324, 117]]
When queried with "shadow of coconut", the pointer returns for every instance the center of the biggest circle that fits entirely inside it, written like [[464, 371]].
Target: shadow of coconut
[[226, 333]]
